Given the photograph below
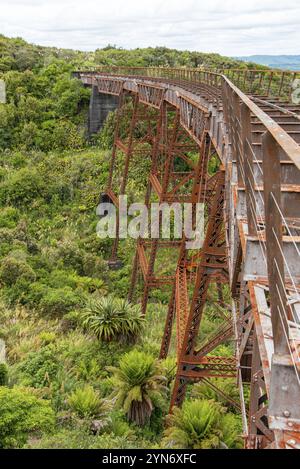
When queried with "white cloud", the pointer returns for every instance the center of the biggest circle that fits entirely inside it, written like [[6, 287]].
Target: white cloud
[[230, 27]]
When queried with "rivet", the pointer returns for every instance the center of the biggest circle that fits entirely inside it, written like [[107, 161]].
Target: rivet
[[284, 388], [286, 413], [291, 442]]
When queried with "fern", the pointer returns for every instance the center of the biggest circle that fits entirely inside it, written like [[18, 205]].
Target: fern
[[201, 424], [87, 403]]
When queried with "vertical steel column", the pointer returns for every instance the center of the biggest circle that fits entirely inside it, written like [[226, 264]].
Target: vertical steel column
[[154, 157], [203, 279], [164, 190], [259, 433]]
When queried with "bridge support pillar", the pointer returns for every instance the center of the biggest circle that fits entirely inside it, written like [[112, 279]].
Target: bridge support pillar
[[100, 106]]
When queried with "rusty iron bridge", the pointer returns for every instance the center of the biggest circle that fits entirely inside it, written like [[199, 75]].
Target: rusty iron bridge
[[244, 124]]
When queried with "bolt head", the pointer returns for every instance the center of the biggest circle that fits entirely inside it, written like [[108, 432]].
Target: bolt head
[[291, 442]]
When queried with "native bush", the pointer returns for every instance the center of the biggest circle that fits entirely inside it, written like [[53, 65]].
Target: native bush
[[3, 374], [13, 269], [39, 368], [59, 301], [138, 386], [21, 413], [86, 402], [24, 186], [201, 424], [113, 319], [227, 387]]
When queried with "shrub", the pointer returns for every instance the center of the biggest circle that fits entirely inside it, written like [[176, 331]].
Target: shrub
[[113, 319], [40, 368], [87, 403], [59, 301], [168, 368], [24, 186], [3, 374], [70, 254], [66, 135], [138, 387], [9, 217], [47, 337], [6, 235], [21, 413], [105, 138], [13, 269], [28, 135], [201, 424], [80, 439], [227, 387], [93, 266]]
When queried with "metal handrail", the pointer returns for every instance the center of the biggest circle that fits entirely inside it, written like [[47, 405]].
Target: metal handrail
[[277, 83]]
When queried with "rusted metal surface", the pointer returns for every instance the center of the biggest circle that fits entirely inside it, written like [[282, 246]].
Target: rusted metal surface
[[247, 121]]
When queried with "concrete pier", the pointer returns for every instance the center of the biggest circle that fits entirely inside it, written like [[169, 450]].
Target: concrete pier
[[100, 106]]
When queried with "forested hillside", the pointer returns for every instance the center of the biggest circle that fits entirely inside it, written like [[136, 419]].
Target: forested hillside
[[46, 108], [81, 365]]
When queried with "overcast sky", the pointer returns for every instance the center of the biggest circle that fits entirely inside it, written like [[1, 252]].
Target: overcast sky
[[229, 27]]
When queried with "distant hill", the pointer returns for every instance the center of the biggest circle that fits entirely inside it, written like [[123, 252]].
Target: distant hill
[[286, 62], [17, 54]]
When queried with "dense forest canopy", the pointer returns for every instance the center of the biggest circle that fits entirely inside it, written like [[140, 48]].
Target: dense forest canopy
[[80, 359], [46, 107], [17, 54]]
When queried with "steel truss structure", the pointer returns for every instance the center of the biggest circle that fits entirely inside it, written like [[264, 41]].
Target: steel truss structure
[[252, 228]]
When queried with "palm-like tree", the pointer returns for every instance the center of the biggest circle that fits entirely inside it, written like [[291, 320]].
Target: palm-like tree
[[111, 318], [201, 424], [138, 386]]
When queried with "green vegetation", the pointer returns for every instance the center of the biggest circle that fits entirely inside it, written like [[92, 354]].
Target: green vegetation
[[22, 413], [82, 368], [201, 424], [113, 319], [161, 57], [46, 107], [138, 386], [3, 374], [86, 402]]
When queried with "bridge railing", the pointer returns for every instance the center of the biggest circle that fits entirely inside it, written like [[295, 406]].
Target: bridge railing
[[268, 178], [266, 83], [269, 83]]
